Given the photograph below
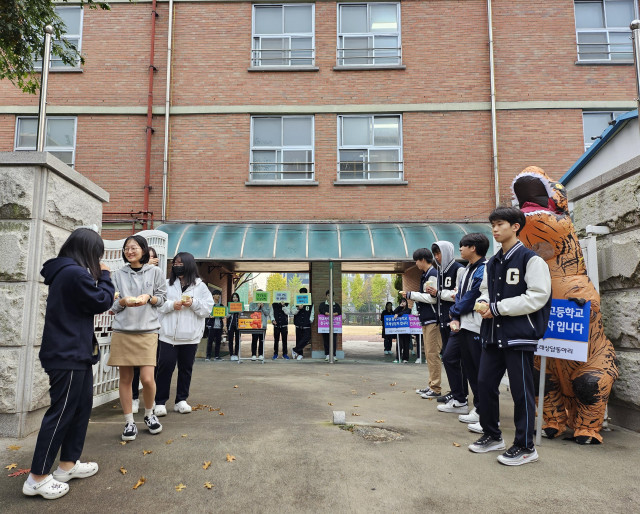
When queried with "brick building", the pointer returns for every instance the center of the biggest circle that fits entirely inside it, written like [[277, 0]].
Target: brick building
[[361, 115]]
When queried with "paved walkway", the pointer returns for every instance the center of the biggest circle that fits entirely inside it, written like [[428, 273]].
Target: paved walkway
[[275, 419]]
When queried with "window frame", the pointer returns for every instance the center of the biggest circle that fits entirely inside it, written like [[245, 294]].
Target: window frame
[[282, 179], [256, 53], [366, 171], [340, 60], [50, 149], [603, 30], [63, 67], [613, 115]]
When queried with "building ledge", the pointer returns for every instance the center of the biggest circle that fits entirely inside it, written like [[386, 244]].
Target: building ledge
[[604, 63], [370, 67], [277, 183], [283, 68], [389, 182]]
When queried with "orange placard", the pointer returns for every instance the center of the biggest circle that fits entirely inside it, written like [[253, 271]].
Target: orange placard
[[235, 306]]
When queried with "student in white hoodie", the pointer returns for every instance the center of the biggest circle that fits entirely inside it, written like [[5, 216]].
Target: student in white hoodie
[[182, 319]]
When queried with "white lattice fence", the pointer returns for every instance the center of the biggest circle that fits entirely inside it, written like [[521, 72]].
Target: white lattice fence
[[106, 379]]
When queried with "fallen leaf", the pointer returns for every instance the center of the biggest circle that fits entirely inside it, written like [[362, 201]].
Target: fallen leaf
[[180, 487], [221, 413], [216, 409], [206, 464], [356, 405], [123, 471], [393, 383], [184, 435], [141, 481], [169, 441], [331, 404], [11, 466], [355, 414], [404, 391], [379, 420], [456, 445], [235, 387], [326, 374], [123, 443], [208, 485], [146, 452], [13, 447], [114, 407], [372, 394], [19, 472], [230, 458], [211, 409]]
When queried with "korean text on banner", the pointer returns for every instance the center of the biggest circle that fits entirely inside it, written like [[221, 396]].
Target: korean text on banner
[[303, 299], [415, 325], [399, 325], [281, 296], [235, 306], [567, 335], [219, 311], [261, 296], [323, 324]]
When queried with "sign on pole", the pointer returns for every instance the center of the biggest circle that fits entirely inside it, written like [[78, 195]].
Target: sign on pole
[[567, 335], [393, 325], [323, 324]]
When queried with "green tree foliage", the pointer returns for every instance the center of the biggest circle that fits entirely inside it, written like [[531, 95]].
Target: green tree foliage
[[397, 285], [276, 282], [294, 285], [346, 299], [22, 33], [357, 292], [379, 291]]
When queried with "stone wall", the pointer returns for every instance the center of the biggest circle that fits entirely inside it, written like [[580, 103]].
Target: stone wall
[[613, 200], [41, 201]]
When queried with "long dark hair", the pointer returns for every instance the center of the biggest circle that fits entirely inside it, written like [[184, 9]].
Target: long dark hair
[[190, 269], [86, 248], [235, 294], [142, 242], [388, 307], [155, 254]]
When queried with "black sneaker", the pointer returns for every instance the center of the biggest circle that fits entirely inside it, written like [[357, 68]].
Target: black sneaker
[[430, 394], [446, 398], [516, 456], [130, 432], [487, 444], [153, 424]]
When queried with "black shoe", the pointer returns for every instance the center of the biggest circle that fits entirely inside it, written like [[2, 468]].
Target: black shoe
[[446, 398], [516, 456], [487, 444]]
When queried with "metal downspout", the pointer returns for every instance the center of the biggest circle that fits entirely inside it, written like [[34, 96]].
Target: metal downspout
[[635, 36], [494, 133], [149, 129], [167, 98]]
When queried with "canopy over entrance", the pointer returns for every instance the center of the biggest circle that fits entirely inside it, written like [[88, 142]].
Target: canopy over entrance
[[289, 247]]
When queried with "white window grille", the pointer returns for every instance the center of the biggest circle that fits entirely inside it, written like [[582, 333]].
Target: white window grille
[[370, 147], [60, 136], [369, 34], [72, 16], [602, 30], [282, 148], [283, 35]]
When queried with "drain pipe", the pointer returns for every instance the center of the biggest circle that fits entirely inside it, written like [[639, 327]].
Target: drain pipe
[[149, 129], [167, 101], [635, 35], [494, 133]]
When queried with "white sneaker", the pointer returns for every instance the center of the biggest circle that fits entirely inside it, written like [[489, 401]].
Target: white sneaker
[[422, 391], [418, 360], [299, 357], [80, 470], [160, 410], [49, 488], [475, 427], [234, 358], [294, 354], [260, 357], [454, 406], [182, 407], [472, 417], [326, 357], [253, 357], [135, 405]]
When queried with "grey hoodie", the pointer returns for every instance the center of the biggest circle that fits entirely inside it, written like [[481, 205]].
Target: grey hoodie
[[149, 280]]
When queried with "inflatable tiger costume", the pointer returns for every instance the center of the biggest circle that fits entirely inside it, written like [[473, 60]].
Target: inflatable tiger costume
[[576, 393]]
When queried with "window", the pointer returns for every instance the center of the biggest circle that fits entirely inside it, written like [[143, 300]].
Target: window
[[369, 35], [595, 123], [602, 30], [283, 35], [370, 147], [281, 148], [72, 18], [60, 136]]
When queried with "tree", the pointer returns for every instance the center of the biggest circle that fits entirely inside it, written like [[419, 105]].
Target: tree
[[379, 290], [345, 291], [357, 292], [22, 37], [276, 282], [294, 285]]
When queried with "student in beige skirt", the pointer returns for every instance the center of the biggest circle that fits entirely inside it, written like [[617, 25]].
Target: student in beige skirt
[[142, 289]]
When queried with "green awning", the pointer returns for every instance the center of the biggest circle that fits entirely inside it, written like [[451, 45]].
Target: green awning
[[263, 242]]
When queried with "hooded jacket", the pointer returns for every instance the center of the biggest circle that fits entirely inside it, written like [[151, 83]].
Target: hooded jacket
[[75, 297], [448, 271], [186, 325], [468, 292], [143, 319]]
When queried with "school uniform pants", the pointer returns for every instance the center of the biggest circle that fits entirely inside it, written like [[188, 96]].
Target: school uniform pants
[[432, 348], [303, 338], [388, 342], [257, 342], [470, 352], [404, 344], [215, 337], [325, 341], [279, 332], [451, 360], [184, 356], [445, 333], [64, 426], [233, 333], [519, 365]]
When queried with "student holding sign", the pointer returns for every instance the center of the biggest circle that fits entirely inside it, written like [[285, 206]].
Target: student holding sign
[[326, 310], [403, 345], [280, 313], [233, 333], [302, 319], [257, 340], [515, 301], [216, 326]]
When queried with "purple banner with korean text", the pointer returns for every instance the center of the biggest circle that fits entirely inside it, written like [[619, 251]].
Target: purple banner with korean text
[[323, 324]]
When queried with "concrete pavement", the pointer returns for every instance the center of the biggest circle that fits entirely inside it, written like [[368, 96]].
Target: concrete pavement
[[275, 419]]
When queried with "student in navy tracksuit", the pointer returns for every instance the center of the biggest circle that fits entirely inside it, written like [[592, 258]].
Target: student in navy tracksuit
[[302, 319], [79, 288], [465, 321], [516, 289], [404, 340]]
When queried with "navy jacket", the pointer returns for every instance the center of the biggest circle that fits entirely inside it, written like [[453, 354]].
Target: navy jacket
[[68, 340], [426, 304]]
